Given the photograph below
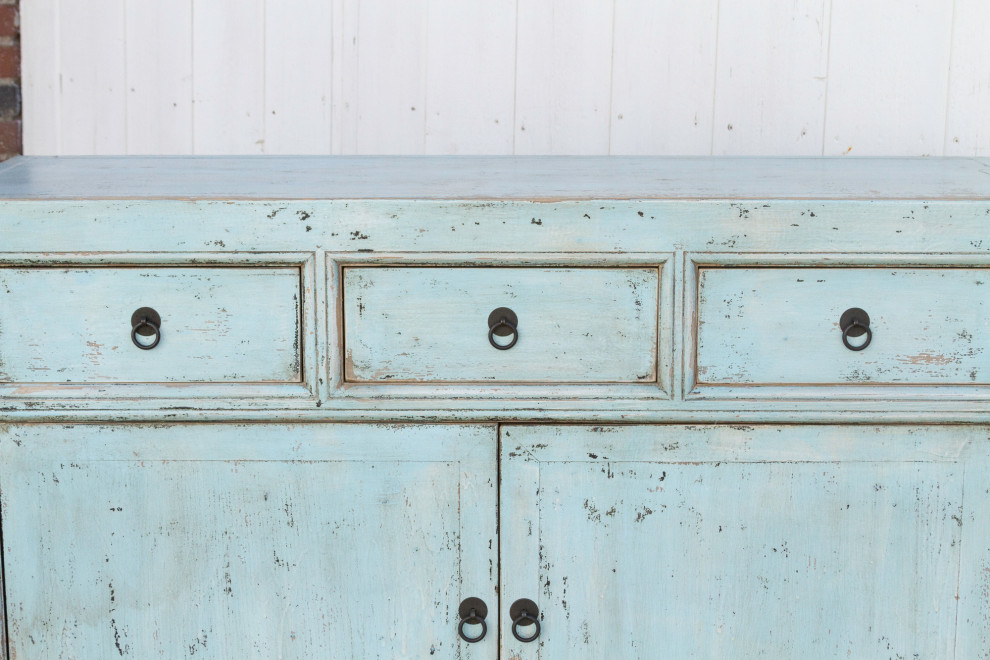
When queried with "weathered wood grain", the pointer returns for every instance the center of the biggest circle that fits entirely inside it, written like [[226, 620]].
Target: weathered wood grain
[[228, 103], [663, 76], [92, 90], [381, 106], [401, 72], [967, 124], [781, 326], [4, 655], [911, 45], [466, 113], [205, 507], [411, 233], [973, 619], [42, 89], [425, 325], [298, 55], [493, 177], [159, 73], [738, 542], [788, 117], [238, 541], [480, 228], [73, 325], [563, 77]]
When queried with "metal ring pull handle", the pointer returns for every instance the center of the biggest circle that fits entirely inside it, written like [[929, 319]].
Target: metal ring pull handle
[[854, 323], [472, 611], [524, 612], [503, 322], [141, 325], [147, 323]]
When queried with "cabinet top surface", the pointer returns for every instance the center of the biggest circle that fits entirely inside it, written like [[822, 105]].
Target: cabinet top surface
[[537, 178]]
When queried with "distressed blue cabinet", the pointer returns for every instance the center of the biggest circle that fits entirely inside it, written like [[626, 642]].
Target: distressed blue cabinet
[[245, 540], [670, 407], [749, 541]]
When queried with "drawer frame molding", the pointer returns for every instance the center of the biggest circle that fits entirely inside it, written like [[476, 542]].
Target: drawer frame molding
[[697, 390], [178, 395], [429, 392]]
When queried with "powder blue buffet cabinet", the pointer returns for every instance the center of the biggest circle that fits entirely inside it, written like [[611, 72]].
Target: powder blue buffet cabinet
[[584, 407]]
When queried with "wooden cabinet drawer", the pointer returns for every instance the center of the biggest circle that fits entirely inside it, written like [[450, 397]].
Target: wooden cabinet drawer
[[781, 326], [575, 325], [218, 324]]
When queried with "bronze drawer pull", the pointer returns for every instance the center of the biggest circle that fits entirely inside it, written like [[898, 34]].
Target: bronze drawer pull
[[472, 611], [147, 323], [503, 322], [855, 322], [524, 612]]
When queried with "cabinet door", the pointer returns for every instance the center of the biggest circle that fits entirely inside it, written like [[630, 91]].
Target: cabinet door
[[746, 542], [247, 541]]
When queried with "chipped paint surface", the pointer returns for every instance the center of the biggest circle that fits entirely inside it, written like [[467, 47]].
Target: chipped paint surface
[[73, 325], [779, 325], [246, 541], [197, 501], [743, 542], [594, 325]]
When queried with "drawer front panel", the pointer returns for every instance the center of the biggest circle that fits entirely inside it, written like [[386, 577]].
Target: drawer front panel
[[580, 325], [764, 326], [217, 325]]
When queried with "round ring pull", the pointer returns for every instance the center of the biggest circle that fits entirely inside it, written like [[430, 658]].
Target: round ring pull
[[854, 323], [503, 322], [472, 611], [524, 613], [147, 323]]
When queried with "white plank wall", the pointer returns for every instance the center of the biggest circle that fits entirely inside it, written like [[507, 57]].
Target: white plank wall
[[159, 77], [663, 78], [297, 83], [770, 77], [891, 58], [799, 77]]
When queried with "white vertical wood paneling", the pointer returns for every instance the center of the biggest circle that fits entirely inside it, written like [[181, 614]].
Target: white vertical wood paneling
[[507, 76], [772, 68], [888, 77], [383, 72], [41, 47], [470, 76], [663, 76], [94, 99], [563, 77], [298, 63], [344, 47], [967, 123], [159, 77], [228, 76]]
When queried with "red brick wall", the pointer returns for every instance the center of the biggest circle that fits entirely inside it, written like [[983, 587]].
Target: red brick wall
[[10, 80]]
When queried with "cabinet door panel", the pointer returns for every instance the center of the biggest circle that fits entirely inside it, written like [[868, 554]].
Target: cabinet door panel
[[245, 541], [733, 542]]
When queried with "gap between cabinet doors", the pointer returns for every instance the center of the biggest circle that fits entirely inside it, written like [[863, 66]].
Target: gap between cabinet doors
[[424, 394]]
